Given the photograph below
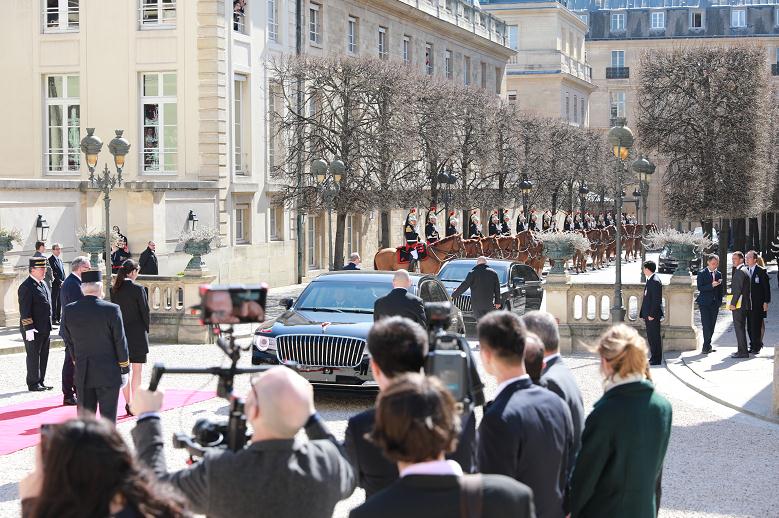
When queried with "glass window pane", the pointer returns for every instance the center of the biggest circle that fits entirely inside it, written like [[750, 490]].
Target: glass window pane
[[73, 87], [55, 162], [151, 161], [169, 113], [169, 15], [170, 138], [73, 140], [151, 137], [151, 114], [74, 118], [55, 115], [54, 89], [55, 138], [169, 84], [150, 86], [170, 161], [73, 161]]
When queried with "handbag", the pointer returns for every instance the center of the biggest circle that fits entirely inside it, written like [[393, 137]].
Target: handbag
[[471, 496]]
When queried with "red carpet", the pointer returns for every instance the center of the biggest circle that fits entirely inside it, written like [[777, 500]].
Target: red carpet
[[19, 424]]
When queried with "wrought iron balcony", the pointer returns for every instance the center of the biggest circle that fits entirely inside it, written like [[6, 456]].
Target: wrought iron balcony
[[617, 72]]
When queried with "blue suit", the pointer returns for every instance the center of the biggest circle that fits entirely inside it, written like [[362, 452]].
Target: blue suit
[[709, 302], [69, 292]]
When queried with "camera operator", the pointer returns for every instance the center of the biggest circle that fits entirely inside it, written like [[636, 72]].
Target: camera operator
[[397, 346], [276, 475], [416, 425]]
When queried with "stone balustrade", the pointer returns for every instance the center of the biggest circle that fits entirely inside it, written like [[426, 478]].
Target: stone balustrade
[[583, 311]]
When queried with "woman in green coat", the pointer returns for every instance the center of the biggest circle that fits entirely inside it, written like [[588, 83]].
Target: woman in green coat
[[619, 466]]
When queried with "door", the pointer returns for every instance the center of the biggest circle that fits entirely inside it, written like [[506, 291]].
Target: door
[[534, 290]]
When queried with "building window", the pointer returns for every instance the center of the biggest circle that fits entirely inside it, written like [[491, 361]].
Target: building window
[[513, 37], [63, 124], [273, 21], [776, 16], [738, 18], [352, 233], [315, 23], [351, 35], [274, 111], [575, 108], [241, 224], [498, 79], [467, 70], [276, 221], [239, 153], [586, 19], [429, 59], [617, 58], [160, 135], [696, 19], [484, 75], [239, 16], [448, 64], [313, 260], [511, 95], [657, 19], [157, 13], [407, 50], [617, 105], [567, 106], [584, 108], [383, 43], [617, 22], [60, 15], [448, 5]]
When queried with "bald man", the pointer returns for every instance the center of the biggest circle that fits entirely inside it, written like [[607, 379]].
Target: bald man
[[484, 284], [276, 475], [399, 302]]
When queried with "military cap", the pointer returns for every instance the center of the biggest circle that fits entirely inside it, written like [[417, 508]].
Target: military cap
[[92, 276], [38, 262]]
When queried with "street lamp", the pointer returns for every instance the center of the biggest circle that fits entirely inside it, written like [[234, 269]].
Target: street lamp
[[328, 177], [621, 140], [583, 192], [447, 178], [192, 220], [42, 228], [525, 187], [644, 168], [119, 147]]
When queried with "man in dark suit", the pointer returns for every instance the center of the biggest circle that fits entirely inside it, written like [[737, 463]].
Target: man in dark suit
[[556, 376], [484, 284], [354, 262], [40, 250], [652, 312], [71, 292], [301, 479], [399, 302], [92, 329], [416, 425], [35, 322], [148, 260], [526, 432], [740, 303], [58, 273], [760, 295], [709, 299]]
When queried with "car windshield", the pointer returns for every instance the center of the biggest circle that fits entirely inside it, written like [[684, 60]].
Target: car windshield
[[342, 296], [456, 272]]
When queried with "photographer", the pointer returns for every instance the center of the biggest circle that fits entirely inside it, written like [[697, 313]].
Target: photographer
[[416, 425], [275, 475], [397, 346]]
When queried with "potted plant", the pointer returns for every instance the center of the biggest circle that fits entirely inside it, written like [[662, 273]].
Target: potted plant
[[7, 238], [560, 246], [682, 246], [198, 243]]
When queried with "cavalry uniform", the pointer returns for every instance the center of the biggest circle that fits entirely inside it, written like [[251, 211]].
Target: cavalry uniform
[[493, 229], [577, 222], [505, 230], [533, 223], [474, 232], [521, 223], [546, 221], [568, 225], [35, 325], [431, 230], [451, 228]]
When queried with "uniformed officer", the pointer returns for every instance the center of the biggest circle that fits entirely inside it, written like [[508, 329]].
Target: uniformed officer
[[431, 230], [92, 329], [474, 228], [568, 225], [521, 222], [451, 228], [35, 325], [412, 236], [533, 223], [505, 230], [494, 226], [546, 221]]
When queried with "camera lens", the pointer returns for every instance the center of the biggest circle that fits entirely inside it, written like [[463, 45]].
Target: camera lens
[[206, 433]]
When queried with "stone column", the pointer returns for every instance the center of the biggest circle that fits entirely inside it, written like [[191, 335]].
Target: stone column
[[679, 331], [556, 295], [9, 300]]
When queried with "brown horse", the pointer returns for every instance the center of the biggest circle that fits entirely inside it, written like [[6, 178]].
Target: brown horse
[[609, 236], [472, 248], [536, 258], [438, 253], [628, 241], [579, 256], [490, 247], [508, 246], [597, 246]]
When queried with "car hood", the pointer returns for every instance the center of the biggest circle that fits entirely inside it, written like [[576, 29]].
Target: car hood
[[311, 322]]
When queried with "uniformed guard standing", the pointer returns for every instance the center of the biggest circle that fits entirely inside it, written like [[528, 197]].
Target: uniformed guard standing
[[474, 228], [92, 328], [35, 322], [431, 230], [451, 228], [412, 237], [494, 226], [505, 230], [521, 222]]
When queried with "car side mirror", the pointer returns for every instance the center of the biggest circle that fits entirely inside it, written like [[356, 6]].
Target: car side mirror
[[286, 302], [518, 281]]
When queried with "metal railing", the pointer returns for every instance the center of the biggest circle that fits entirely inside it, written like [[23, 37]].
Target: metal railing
[[617, 72]]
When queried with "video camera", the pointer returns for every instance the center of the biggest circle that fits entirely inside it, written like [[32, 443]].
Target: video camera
[[450, 358], [221, 305]]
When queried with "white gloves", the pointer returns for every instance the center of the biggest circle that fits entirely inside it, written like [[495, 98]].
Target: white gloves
[[125, 379], [29, 335]]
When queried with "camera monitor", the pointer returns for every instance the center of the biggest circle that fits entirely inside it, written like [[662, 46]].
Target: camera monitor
[[233, 304]]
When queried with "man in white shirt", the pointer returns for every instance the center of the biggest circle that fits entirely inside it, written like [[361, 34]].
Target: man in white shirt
[[740, 303]]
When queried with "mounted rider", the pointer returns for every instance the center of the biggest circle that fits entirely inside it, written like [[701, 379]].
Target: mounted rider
[[521, 221], [412, 238], [474, 227], [494, 227], [431, 230], [533, 223], [505, 230], [451, 228]]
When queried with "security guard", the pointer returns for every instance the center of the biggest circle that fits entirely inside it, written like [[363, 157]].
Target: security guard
[[35, 326], [474, 228], [451, 228], [92, 329], [431, 230]]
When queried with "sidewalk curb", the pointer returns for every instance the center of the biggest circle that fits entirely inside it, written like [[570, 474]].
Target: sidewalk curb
[[55, 343], [773, 420]]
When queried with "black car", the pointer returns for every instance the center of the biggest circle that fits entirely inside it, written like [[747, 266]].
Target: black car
[[667, 263], [520, 287], [325, 330]]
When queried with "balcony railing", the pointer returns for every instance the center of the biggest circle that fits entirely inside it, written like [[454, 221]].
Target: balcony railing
[[617, 72], [775, 69]]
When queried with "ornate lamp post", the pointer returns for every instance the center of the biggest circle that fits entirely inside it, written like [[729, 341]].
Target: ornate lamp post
[[119, 147], [525, 187], [644, 168], [328, 178], [621, 140], [447, 178], [583, 192]]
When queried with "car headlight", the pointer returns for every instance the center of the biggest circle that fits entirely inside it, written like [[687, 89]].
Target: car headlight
[[263, 343]]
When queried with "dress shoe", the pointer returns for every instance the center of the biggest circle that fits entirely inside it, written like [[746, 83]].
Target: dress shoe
[[45, 387], [709, 350], [69, 401], [127, 410], [36, 388], [739, 355]]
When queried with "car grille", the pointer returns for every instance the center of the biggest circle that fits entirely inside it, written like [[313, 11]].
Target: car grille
[[463, 302], [320, 350]]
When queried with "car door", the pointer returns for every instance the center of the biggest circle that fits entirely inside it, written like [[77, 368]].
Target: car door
[[534, 290], [438, 293]]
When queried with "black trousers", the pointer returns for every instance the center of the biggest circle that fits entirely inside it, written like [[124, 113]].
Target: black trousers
[[465, 454], [68, 376], [56, 307], [739, 327], [104, 398], [755, 328], [709, 314], [37, 358], [655, 341]]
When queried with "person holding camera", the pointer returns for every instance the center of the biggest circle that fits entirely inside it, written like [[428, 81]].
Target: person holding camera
[[397, 346], [484, 284], [416, 425], [83, 467], [276, 475], [526, 432]]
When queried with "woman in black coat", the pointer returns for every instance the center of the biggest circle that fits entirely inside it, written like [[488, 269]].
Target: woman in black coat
[[132, 300]]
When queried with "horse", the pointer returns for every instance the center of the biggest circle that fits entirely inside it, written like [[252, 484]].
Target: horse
[[580, 256], [472, 248], [536, 258], [597, 247], [628, 243], [609, 236], [508, 246], [491, 247], [524, 243], [438, 253]]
